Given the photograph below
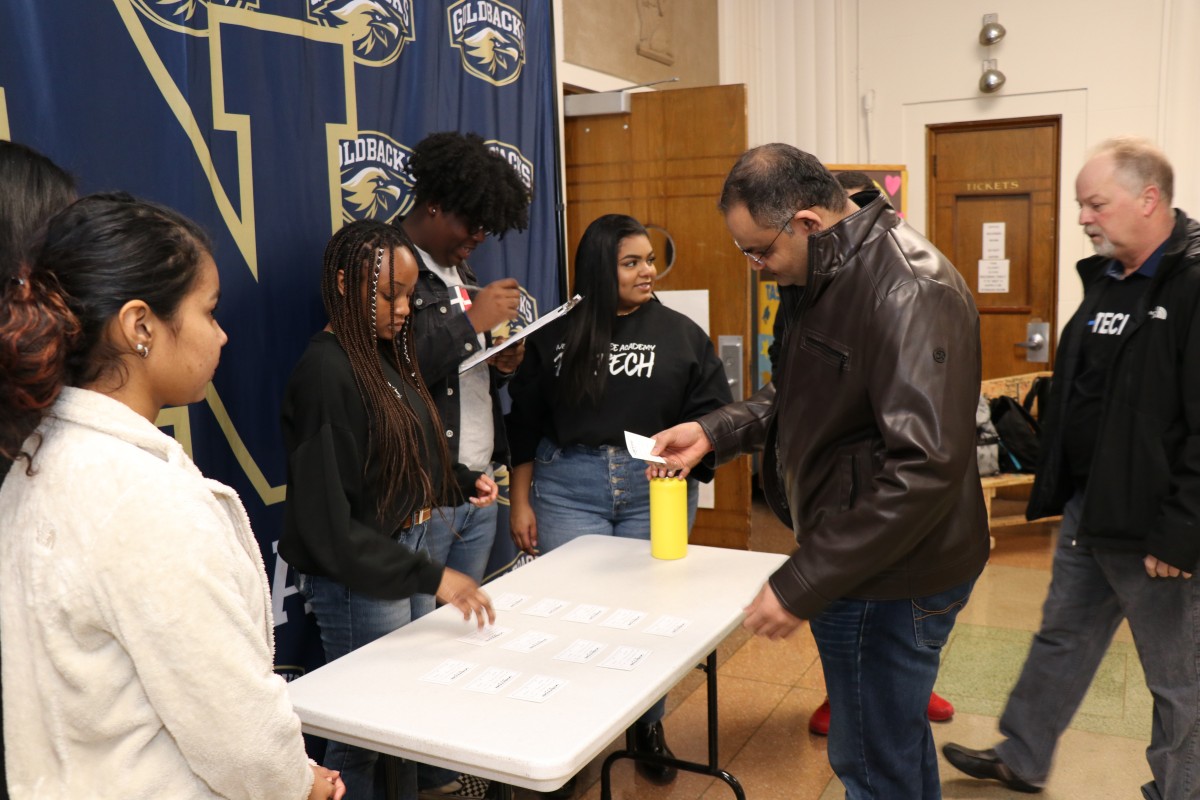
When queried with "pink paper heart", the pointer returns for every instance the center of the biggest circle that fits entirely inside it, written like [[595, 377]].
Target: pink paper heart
[[892, 184]]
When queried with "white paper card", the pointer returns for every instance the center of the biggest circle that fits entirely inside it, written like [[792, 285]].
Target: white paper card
[[529, 641], [585, 613], [640, 447], [993, 240], [484, 635], [546, 607], [508, 601], [667, 626], [993, 276], [623, 618], [448, 671], [538, 688], [625, 658], [580, 651], [493, 680]]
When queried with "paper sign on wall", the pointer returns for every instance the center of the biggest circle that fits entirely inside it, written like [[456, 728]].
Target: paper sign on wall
[[993, 275], [993, 241]]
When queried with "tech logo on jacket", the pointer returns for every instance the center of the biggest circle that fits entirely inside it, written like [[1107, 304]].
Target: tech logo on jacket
[[490, 37], [374, 175]]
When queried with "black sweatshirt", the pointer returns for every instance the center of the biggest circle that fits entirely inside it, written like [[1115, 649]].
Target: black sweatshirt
[[331, 524], [662, 371]]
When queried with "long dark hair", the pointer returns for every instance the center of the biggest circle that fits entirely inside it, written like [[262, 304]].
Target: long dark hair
[[98, 254], [589, 327], [395, 432], [32, 189]]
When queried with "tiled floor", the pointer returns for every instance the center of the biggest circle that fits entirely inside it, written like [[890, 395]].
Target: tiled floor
[[768, 690]]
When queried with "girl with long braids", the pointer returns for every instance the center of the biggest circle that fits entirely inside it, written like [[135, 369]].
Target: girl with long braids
[[133, 600], [366, 463], [621, 361]]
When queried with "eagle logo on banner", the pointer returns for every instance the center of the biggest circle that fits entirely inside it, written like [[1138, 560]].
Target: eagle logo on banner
[[379, 28], [187, 16], [516, 160], [490, 37], [375, 181]]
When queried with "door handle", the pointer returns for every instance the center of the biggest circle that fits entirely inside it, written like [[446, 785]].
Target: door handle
[[1037, 342]]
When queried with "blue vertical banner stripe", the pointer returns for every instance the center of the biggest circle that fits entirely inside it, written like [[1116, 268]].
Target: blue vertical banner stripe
[[271, 123]]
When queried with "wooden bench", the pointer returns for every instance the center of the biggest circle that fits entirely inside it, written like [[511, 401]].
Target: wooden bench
[[1014, 386]]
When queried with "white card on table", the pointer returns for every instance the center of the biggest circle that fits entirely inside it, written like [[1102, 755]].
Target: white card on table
[[508, 601], [448, 671], [529, 641], [484, 635], [666, 626], [625, 657], [585, 613], [580, 651], [624, 618], [546, 607], [493, 680], [538, 688]]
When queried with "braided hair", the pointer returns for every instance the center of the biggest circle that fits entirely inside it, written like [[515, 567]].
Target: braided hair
[[459, 173], [357, 251]]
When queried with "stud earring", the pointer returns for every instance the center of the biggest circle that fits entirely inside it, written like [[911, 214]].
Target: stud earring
[[141, 349]]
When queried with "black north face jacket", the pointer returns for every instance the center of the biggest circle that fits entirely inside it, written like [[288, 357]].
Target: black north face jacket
[[1143, 492]]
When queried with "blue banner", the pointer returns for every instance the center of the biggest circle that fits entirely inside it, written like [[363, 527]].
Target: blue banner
[[272, 122]]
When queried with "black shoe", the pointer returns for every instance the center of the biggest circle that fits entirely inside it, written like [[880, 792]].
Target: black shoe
[[648, 739], [564, 792], [986, 764]]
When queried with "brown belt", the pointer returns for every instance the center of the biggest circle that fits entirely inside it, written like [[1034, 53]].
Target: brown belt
[[416, 518]]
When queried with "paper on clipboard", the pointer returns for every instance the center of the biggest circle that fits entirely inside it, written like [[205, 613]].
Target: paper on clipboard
[[545, 319]]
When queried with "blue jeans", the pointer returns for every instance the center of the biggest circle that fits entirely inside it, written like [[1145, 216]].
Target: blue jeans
[[881, 660], [348, 621], [461, 538], [1091, 591], [581, 490]]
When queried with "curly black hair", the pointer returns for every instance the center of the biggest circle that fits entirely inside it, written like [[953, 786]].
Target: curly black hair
[[459, 173]]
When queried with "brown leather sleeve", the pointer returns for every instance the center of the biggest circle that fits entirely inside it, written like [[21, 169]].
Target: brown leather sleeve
[[739, 428]]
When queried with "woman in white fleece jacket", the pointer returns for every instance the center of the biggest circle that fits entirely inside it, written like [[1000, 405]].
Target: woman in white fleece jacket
[[133, 602]]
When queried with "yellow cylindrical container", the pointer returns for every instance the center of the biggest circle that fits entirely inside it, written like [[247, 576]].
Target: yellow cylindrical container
[[668, 518]]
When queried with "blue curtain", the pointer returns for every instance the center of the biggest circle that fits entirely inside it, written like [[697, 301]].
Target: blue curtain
[[271, 122]]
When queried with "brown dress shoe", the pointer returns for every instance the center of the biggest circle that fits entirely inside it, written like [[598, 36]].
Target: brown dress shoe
[[986, 764]]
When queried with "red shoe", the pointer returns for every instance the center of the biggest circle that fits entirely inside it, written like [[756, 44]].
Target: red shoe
[[818, 723], [940, 709]]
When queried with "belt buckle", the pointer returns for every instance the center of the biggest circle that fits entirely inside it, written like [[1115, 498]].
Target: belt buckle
[[417, 517]]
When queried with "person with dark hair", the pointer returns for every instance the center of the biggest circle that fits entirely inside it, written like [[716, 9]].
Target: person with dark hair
[[366, 463], [862, 191], [32, 189], [868, 441], [134, 585], [464, 193], [1120, 461], [620, 361]]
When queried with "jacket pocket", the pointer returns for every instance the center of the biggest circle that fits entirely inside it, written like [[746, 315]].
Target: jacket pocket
[[828, 350], [847, 472]]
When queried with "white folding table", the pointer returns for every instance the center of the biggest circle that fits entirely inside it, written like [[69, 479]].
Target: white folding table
[[375, 697]]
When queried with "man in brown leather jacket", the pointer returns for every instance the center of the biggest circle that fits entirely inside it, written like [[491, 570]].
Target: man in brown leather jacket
[[868, 434]]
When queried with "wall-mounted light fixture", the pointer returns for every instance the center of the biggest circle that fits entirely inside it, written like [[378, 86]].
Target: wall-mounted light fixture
[[992, 78], [992, 31]]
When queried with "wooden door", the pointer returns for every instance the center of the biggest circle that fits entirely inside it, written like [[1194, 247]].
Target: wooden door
[[1000, 171], [664, 163]]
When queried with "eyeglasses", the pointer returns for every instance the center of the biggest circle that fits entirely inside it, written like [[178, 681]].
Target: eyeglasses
[[760, 258]]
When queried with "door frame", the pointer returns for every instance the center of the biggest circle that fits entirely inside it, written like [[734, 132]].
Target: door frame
[[1071, 106]]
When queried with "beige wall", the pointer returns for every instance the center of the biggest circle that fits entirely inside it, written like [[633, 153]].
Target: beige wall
[[604, 35]]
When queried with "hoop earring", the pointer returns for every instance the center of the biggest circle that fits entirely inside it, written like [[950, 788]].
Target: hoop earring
[[142, 350]]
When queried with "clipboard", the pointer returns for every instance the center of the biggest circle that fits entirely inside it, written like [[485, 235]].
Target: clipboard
[[545, 319]]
